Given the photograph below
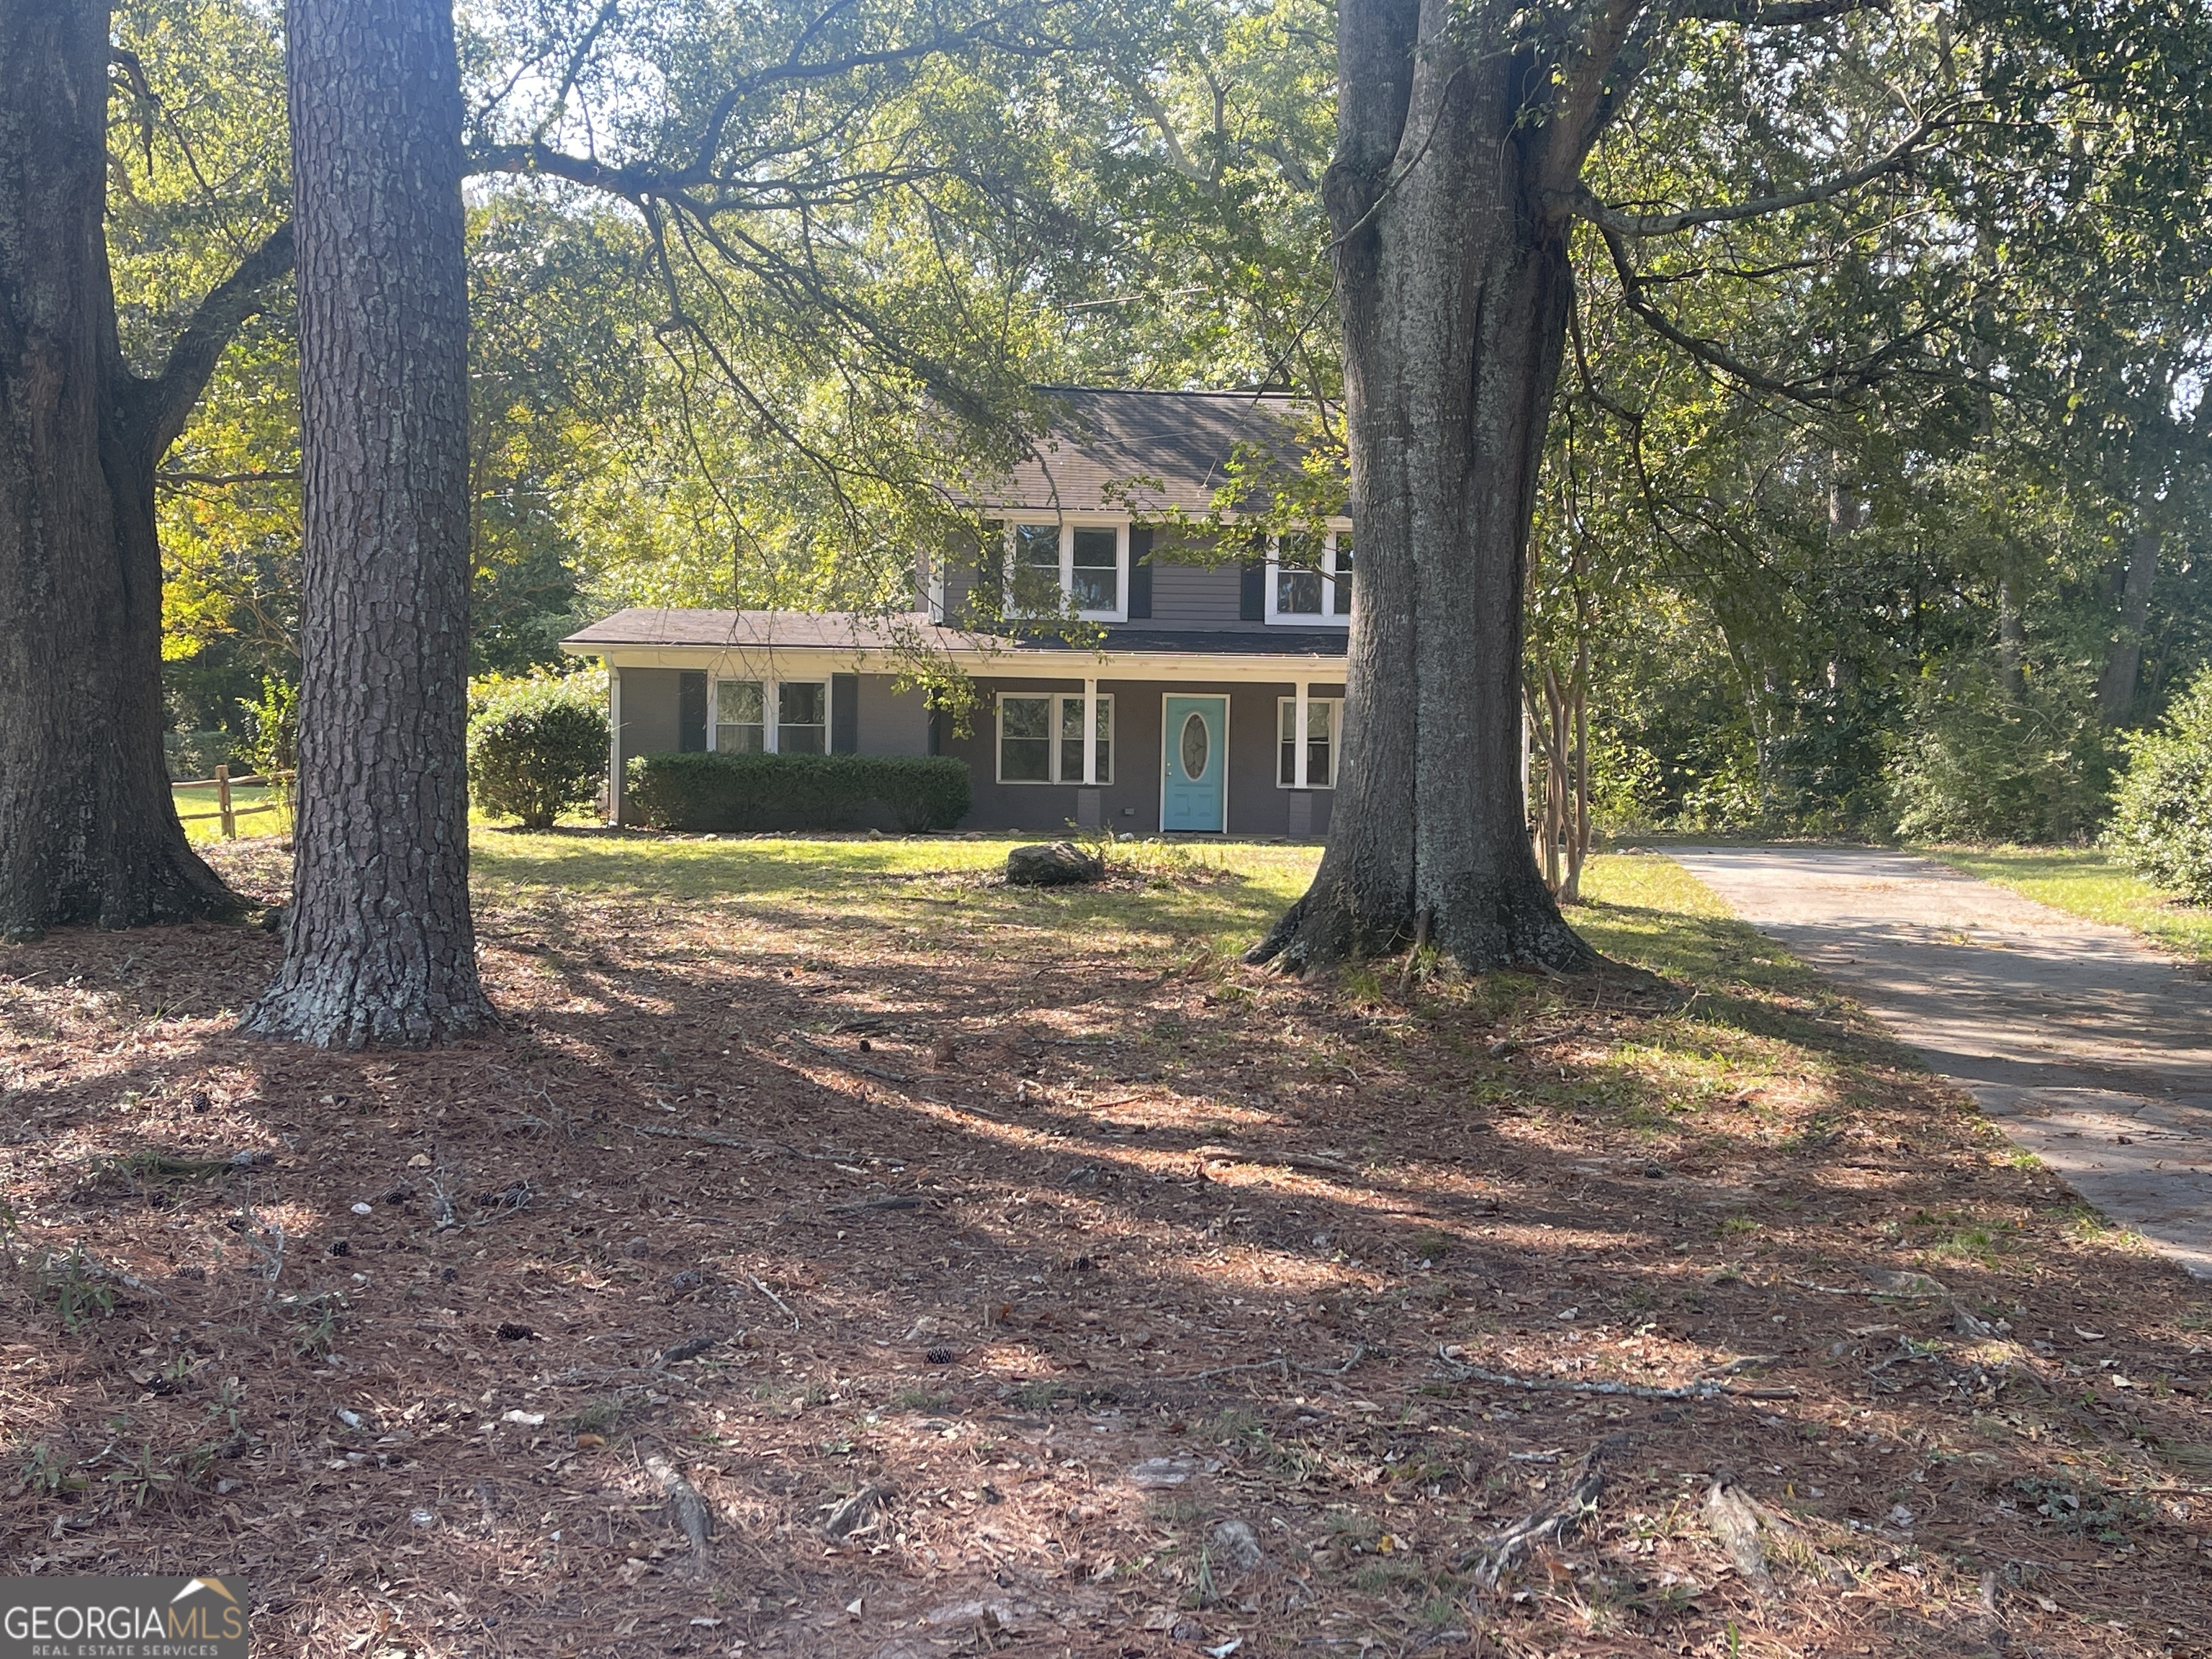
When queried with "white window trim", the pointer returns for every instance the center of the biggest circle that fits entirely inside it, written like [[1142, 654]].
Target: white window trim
[[768, 684], [1328, 616], [1052, 725], [1335, 740], [1068, 529]]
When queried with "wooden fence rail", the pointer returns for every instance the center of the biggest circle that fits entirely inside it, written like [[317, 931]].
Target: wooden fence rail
[[222, 783]]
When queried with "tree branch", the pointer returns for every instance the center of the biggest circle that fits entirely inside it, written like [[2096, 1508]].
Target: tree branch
[[1714, 356], [1614, 222], [162, 406], [1779, 14], [214, 480]]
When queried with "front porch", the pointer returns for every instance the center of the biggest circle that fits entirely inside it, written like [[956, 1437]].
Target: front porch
[[1241, 739]]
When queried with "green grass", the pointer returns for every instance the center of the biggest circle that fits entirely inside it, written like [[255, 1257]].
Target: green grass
[[2087, 883], [1182, 898], [202, 799]]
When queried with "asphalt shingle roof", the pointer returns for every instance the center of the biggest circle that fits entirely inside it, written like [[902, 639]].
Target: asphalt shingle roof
[[843, 631], [1144, 451]]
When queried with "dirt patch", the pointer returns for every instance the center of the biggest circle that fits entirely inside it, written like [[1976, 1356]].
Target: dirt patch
[[1004, 1285]]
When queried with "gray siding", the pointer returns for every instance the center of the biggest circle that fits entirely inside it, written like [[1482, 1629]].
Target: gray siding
[[892, 722], [1190, 596], [960, 567], [1131, 804], [651, 717]]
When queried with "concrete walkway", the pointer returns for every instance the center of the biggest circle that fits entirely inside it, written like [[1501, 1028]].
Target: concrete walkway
[[2088, 1047]]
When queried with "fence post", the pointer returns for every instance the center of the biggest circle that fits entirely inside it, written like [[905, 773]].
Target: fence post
[[223, 803]]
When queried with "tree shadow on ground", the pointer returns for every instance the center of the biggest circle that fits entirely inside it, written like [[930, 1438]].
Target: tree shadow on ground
[[1046, 1259]]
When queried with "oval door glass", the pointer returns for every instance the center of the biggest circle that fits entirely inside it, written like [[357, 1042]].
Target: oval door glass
[[1194, 745]]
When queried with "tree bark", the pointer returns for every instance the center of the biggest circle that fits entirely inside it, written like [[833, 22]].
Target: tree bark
[[88, 828], [2116, 688], [1453, 285], [379, 945]]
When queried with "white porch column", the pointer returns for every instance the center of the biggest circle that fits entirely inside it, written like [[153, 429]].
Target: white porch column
[[1090, 731], [1301, 752], [614, 747]]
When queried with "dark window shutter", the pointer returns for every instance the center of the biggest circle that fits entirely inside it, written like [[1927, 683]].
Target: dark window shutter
[[1252, 592], [844, 714], [1141, 573], [691, 712]]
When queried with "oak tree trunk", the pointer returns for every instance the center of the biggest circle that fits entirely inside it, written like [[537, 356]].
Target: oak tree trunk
[[2116, 688], [1453, 285], [379, 946], [89, 828]]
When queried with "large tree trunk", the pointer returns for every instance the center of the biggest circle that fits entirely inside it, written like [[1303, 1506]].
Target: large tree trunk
[[1453, 286], [379, 946], [88, 830], [2116, 688]]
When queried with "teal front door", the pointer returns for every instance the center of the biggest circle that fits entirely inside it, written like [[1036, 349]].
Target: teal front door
[[1195, 735]]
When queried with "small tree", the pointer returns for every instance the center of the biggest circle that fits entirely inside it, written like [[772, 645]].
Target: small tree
[[537, 746], [2162, 826], [273, 750]]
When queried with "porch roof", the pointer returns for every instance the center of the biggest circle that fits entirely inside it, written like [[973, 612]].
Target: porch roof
[[840, 642]]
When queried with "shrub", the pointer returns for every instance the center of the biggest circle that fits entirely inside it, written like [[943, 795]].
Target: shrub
[[273, 750], [537, 746], [2162, 824], [197, 753], [726, 792], [1973, 764]]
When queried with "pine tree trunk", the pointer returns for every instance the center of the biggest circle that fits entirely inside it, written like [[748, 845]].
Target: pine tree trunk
[[88, 828], [379, 945], [1453, 286]]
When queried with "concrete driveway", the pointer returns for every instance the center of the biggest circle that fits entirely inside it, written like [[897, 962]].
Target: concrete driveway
[[2089, 1048]]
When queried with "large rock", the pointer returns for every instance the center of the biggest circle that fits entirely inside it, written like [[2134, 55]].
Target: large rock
[[1055, 866]]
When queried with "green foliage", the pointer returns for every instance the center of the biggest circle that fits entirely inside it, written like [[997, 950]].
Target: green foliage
[[272, 744], [738, 792], [2162, 825], [1975, 764], [537, 746], [79, 1288]]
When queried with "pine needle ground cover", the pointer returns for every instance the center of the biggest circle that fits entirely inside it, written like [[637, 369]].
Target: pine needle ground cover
[[970, 1269]]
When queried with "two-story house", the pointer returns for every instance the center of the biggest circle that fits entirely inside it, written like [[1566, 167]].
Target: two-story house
[[1213, 702]]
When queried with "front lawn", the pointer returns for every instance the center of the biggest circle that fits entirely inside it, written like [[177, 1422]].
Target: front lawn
[[1016, 1270], [2092, 883], [258, 809]]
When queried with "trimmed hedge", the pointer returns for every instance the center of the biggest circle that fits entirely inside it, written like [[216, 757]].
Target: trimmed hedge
[[723, 792]]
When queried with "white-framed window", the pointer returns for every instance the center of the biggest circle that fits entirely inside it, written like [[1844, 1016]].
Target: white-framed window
[[740, 718], [1324, 735], [1041, 737], [770, 716], [1309, 579], [1057, 566]]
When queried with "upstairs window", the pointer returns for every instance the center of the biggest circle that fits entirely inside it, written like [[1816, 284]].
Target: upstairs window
[[1309, 579], [1040, 739], [1055, 568], [1095, 569], [1299, 578], [1324, 730]]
